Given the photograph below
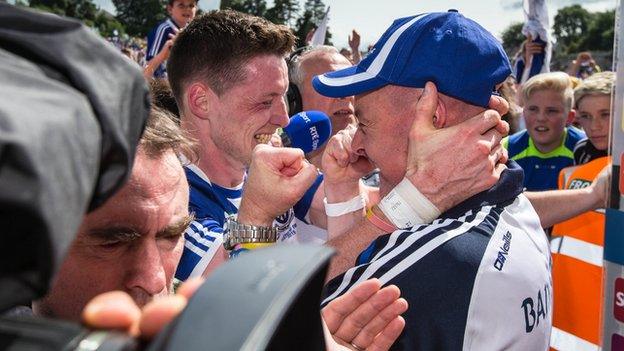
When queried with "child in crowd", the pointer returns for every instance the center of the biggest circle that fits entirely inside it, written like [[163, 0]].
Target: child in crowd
[[547, 145], [577, 275], [160, 39], [593, 112]]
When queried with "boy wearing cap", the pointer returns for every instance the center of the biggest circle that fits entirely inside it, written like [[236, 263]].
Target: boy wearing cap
[[545, 147], [478, 277]]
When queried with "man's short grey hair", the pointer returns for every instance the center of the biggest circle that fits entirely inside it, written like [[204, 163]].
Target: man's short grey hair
[[296, 73]]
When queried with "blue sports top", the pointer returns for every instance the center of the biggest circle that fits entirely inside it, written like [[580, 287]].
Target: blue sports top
[[541, 171], [156, 40], [477, 278], [211, 205]]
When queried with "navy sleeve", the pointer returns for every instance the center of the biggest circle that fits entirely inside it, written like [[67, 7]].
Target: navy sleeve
[[303, 206]]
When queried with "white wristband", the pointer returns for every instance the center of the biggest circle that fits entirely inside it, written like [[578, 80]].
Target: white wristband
[[406, 207], [342, 208]]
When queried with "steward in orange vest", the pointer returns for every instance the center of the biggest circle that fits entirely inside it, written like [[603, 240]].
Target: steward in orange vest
[[576, 248]]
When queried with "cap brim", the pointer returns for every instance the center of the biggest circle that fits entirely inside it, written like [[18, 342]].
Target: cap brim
[[346, 82]]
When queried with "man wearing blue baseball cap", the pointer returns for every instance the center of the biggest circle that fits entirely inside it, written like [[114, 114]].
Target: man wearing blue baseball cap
[[478, 277]]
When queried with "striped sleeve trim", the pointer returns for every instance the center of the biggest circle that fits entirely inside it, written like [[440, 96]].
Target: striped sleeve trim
[[447, 230], [203, 239], [161, 31]]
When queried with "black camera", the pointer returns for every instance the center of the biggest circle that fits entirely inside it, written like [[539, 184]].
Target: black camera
[[263, 299]]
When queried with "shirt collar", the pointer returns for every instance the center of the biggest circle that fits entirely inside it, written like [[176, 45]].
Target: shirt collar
[[508, 187]]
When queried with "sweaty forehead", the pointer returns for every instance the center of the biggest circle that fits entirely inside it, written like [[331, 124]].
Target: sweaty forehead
[[157, 190], [154, 175], [266, 74]]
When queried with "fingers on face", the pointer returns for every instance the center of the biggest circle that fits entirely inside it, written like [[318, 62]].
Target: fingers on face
[[339, 148], [499, 104], [486, 120], [425, 110]]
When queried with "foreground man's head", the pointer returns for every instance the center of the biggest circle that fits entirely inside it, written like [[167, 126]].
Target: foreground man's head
[[134, 241]]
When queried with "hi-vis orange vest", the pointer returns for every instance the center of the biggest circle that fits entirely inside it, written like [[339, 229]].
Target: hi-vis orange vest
[[576, 248]]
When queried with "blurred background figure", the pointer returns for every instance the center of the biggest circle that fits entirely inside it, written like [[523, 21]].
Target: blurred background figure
[[537, 49], [161, 38], [509, 92], [584, 66]]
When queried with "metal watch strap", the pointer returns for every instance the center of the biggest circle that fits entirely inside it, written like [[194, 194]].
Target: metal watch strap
[[237, 233]]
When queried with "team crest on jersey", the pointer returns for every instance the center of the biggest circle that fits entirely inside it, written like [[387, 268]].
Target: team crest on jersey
[[285, 225]]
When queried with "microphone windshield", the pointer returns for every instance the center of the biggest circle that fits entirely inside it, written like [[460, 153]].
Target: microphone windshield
[[307, 130]]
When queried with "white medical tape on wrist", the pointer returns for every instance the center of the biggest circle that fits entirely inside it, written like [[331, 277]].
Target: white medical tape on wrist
[[406, 207], [342, 208]]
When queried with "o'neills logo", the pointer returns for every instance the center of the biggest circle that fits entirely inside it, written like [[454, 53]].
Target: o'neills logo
[[503, 251]]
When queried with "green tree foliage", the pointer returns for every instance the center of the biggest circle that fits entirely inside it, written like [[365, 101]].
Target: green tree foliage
[[54, 6], [575, 30], [313, 12], [84, 10], [600, 32], [106, 24], [252, 7], [283, 12], [286, 12], [571, 24], [140, 16], [512, 39]]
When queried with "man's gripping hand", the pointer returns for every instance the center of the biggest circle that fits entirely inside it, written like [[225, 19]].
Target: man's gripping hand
[[449, 165], [342, 167], [277, 179]]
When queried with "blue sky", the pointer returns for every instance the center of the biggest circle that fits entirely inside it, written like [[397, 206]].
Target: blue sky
[[371, 18]]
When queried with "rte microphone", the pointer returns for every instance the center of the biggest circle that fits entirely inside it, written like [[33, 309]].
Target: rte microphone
[[307, 130]]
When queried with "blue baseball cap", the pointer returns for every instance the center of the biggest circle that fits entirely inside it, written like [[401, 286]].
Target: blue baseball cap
[[463, 59]]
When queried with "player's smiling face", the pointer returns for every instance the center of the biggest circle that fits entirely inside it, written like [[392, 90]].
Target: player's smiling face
[[250, 112]]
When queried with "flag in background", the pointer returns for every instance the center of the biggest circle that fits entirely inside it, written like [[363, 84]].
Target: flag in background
[[321, 31], [537, 26]]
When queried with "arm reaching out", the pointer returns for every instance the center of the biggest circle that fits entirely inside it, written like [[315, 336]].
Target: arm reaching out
[[555, 206]]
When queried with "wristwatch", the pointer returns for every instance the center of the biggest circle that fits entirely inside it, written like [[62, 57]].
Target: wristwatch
[[237, 233]]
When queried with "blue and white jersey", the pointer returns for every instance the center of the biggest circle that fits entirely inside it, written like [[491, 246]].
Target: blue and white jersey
[[156, 40], [211, 205], [477, 278]]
